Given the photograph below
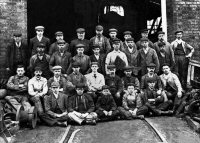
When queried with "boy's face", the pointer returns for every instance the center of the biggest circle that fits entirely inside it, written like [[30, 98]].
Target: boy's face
[[76, 69], [151, 85], [113, 34], [145, 44], [161, 37], [94, 68], [130, 89], [144, 35], [116, 46], [61, 47], [57, 72], [39, 32], [55, 90], [80, 51], [127, 36], [79, 91], [20, 71], [105, 91], [166, 69], [96, 51]]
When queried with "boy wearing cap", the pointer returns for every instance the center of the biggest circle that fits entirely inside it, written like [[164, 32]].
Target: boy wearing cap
[[113, 35], [40, 59], [106, 107], [146, 56], [17, 86], [82, 59], [81, 107], [37, 89], [61, 57], [17, 53], [80, 40], [56, 104], [54, 46], [39, 38], [115, 84], [144, 34], [183, 52], [132, 104], [100, 40], [99, 58]]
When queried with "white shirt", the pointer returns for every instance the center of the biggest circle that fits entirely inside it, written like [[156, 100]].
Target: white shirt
[[97, 57], [39, 38], [145, 50], [110, 59], [18, 44], [130, 50]]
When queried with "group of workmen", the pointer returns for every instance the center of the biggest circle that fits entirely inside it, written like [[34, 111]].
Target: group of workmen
[[98, 79]]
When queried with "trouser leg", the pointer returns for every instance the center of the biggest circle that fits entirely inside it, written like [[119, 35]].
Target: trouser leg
[[124, 113], [13, 101], [38, 104], [142, 110], [25, 103], [75, 118]]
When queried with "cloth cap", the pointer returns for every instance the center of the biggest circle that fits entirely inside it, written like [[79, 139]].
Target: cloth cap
[[178, 31], [41, 45], [94, 63], [55, 84], [59, 33], [80, 85], [99, 28], [111, 67], [161, 32], [105, 87], [56, 67], [116, 40], [151, 79], [127, 33], [113, 30], [151, 65], [130, 39], [131, 84], [144, 39], [95, 46], [80, 30], [80, 46], [61, 42], [17, 34], [128, 68], [38, 68], [144, 31], [39, 28], [75, 65], [160, 44]]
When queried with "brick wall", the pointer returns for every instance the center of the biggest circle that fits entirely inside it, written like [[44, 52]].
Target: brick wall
[[185, 15], [13, 17]]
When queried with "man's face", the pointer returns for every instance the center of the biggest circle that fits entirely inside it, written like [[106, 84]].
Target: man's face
[[179, 35], [81, 35], [59, 37], [94, 68], [144, 44], [161, 37], [96, 51], [61, 47], [150, 69], [57, 72], [39, 32], [80, 51], [20, 71], [38, 74], [79, 91], [112, 72], [76, 69], [128, 73], [130, 44], [130, 89], [113, 34], [127, 36], [99, 33], [166, 69], [55, 89], [116, 46], [105, 92], [162, 49], [17, 39], [144, 35], [40, 50]]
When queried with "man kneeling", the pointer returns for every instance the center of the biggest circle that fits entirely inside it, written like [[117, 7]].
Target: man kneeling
[[81, 107]]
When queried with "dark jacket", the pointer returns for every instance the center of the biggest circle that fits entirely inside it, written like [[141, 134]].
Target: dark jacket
[[139, 46], [54, 48], [132, 79], [34, 42], [156, 79], [114, 83], [106, 102], [50, 103], [101, 62], [86, 100]]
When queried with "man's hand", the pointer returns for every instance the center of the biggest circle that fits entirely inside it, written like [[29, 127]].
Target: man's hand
[[117, 94], [189, 55], [58, 115], [179, 94], [110, 113], [134, 112], [159, 92], [105, 112], [85, 115]]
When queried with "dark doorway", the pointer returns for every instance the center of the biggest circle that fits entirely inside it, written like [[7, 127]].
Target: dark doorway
[[67, 15]]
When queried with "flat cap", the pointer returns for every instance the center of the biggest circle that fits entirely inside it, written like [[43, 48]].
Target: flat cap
[[80, 30], [128, 68], [17, 34], [75, 65], [56, 67], [127, 33], [80, 46], [55, 84], [151, 79], [144, 31], [41, 45], [130, 39], [99, 28], [160, 44], [115, 41], [94, 63], [130, 84], [59, 33], [161, 32], [61, 42], [178, 31], [95, 46], [38, 68], [39, 28], [80, 85], [113, 30], [144, 39], [105, 87], [151, 65], [111, 67]]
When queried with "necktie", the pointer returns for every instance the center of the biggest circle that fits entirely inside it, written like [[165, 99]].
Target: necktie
[[95, 76]]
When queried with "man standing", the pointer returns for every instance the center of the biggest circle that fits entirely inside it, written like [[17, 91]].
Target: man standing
[[40, 59], [17, 53], [61, 57], [39, 38], [183, 52], [80, 40], [54, 47], [144, 34], [146, 56], [113, 35], [100, 40], [18, 89], [37, 89]]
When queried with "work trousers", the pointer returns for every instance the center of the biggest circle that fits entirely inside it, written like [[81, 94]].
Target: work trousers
[[103, 117], [39, 104], [51, 121]]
